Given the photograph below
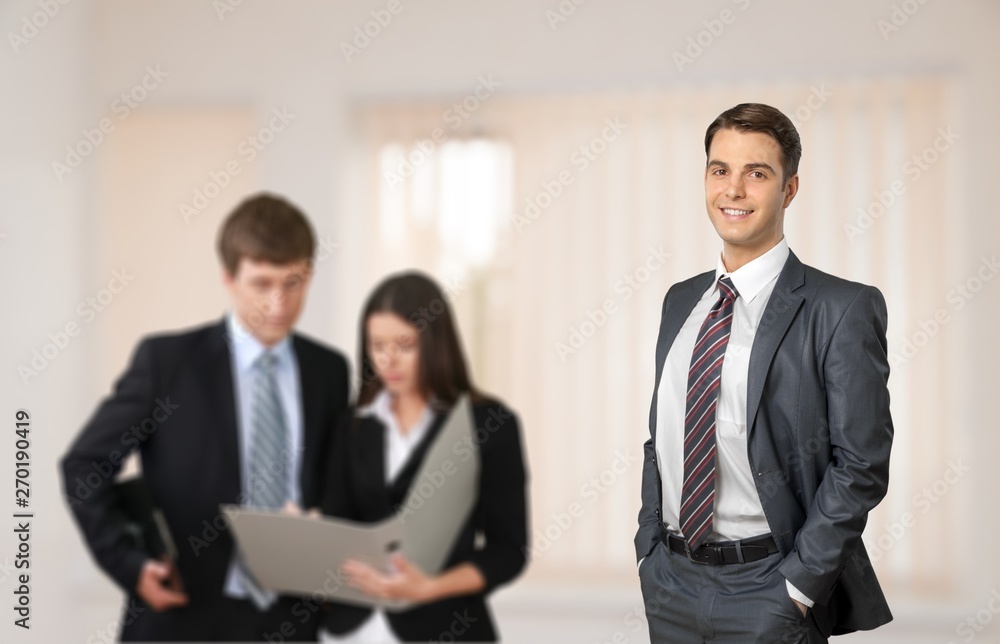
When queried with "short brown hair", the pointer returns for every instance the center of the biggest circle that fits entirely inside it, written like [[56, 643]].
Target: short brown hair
[[268, 228], [757, 117]]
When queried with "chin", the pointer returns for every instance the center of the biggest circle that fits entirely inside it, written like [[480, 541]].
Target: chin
[[399, 388], [393, 388], [271, 338], [279, 331]]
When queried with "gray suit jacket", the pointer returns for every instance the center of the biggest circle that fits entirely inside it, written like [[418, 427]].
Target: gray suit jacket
[[818, 438]]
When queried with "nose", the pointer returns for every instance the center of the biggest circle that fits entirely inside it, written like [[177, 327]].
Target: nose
[[276, 301], [735, 187], [387, 359]]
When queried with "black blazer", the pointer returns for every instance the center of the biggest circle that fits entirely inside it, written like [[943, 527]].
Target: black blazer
[[819, 434], [355, 489], [175, 404]]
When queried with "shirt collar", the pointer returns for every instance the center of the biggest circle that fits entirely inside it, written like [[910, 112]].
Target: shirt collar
[[751, 278], [246, 348], [378, 407], [381, 408]]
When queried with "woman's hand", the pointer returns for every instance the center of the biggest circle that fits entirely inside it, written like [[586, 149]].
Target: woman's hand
[[405, 582], [295, 510]]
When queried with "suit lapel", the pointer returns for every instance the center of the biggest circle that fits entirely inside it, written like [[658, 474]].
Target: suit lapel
[[778, 315], [311, 390], [368, 465], [219, 367], [678, 308]]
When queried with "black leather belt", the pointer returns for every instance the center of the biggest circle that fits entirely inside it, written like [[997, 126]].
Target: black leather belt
[[722, 552]]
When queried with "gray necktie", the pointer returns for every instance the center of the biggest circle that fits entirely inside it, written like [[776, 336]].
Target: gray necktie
[[267, 483], [268, 479]]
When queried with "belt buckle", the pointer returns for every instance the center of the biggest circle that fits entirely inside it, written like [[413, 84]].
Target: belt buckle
[[690, 554]]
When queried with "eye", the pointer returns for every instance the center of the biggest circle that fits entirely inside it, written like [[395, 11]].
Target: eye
[[718, 172], [757, 174]]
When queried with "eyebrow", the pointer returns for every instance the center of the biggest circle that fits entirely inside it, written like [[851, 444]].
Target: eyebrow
[[748, 166]]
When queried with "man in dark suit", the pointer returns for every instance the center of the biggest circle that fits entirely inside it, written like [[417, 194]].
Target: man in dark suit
[[239, 411], [769, 426]]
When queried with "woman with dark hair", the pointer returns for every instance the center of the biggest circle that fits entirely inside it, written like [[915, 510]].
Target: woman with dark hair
[[413, 372]]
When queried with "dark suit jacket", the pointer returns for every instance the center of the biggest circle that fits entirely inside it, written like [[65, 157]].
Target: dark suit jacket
[[356, 490], [178, 396], [818, 437]]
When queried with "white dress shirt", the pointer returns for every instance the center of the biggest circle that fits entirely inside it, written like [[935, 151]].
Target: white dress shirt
[[399, 446], [738, 511], [244, 350]]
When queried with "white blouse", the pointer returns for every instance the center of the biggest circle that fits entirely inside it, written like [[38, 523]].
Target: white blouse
[[399, 446]]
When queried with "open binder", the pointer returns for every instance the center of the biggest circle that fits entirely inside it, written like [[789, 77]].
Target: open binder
[[301, 555]]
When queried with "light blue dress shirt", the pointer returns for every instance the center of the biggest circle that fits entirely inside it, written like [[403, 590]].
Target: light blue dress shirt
[[244, 349]]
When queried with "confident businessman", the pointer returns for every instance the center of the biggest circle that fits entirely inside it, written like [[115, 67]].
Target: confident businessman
[[769, 426], [239, 411]]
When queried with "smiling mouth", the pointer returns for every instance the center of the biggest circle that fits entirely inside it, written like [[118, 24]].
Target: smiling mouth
[[736, 212]]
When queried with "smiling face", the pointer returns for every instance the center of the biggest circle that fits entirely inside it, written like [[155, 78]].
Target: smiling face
[[393, 346], [746, 195]]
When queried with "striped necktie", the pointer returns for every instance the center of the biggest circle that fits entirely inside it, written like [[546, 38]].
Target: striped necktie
[[267, 483], [268, 480], [704, 378]]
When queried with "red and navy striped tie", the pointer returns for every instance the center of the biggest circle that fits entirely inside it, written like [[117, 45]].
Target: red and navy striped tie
[[704, 377]]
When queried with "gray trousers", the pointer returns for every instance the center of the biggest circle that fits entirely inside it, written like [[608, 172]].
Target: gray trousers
[[692, 602]]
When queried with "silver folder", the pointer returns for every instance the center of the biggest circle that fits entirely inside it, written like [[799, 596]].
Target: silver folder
[[301, 555]]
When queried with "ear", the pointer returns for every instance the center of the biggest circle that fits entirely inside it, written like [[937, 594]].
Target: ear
[[791, 189]]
